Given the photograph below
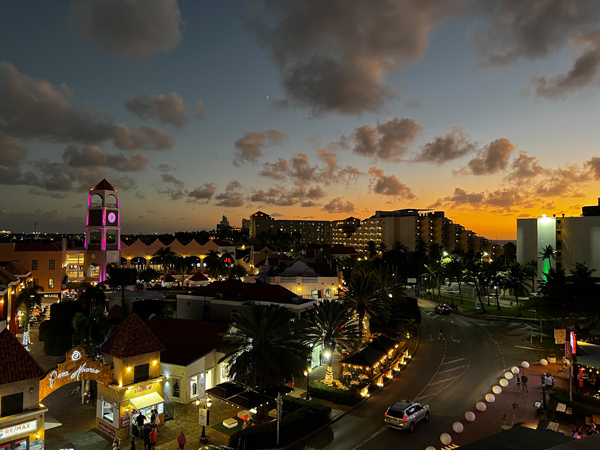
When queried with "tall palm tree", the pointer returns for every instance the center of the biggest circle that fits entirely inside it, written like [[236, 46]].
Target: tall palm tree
[[372, 249], [89, 324], [28, 297], [495, 273], [267, 347], [455, 270], [477, 276], [236, 272], [362, 293], [530, 269], [334, 327], [166, 257], [214, 264], [516, 280], [547, 254]]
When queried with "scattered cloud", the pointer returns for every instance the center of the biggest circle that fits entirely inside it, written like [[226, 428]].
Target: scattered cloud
[[334, 56], [166, 109], [51, 194], [524, 168], [338, 206], [163, 167], [249, 147], [131, 29], [31, 108], [455, 144], [232, 197], [203, 193], [93, 156], [280, 196], [12, 150], [388, 185], [387, 141], [500, 200], [491, 159], [414, 103]]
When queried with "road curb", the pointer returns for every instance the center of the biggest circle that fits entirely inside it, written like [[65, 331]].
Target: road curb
[[335, 419]]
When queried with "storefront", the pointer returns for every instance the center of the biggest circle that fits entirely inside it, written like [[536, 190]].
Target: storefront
[[25, 432]]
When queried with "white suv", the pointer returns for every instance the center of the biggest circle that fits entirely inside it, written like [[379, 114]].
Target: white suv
[[404, 415]]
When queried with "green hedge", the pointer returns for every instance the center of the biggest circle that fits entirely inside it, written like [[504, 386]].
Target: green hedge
[[292, 404], [62, 313], [333, 394], [57, 344], [583, 405], [292, 427], [57, 333]]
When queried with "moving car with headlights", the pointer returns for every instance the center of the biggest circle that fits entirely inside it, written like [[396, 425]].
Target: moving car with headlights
[[442, 308], [404, 415]]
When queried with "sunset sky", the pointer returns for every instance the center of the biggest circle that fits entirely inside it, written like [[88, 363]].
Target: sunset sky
[[319, 109]]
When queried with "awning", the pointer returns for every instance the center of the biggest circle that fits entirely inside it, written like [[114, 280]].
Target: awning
[[146, 400], [588, 354]]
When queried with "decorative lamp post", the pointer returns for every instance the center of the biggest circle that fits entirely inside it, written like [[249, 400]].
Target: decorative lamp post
[[204, 419], [307, 375]]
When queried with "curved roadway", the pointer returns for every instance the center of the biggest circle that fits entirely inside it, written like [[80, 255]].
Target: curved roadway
[[449, 374]]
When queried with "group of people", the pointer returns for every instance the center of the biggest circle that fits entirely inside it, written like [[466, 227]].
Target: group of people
[[522, 379], [585, 430]]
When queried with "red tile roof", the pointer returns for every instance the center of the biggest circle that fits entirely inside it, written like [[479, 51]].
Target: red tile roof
[[103, 186], [186, 340], [6, 277], [131, 338], [16, 364], [198, 276], [238, 290], [16, 269]]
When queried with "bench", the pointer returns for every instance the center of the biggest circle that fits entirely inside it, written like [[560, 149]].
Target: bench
[[243, 414], [230, 423], [273, 413]]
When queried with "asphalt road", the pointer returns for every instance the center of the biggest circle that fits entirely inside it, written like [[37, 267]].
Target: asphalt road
[[449, 374]]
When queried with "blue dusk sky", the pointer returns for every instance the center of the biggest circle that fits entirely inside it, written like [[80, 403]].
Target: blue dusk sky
[[302, 109]]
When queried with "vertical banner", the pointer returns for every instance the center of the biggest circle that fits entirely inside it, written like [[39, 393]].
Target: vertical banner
[[580, 376]]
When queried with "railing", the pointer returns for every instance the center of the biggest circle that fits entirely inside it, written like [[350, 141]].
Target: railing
[[169, 409]]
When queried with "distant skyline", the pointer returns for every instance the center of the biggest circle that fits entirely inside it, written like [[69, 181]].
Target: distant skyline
[[303, 109]]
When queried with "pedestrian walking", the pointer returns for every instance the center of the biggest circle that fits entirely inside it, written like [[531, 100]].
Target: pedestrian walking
[[181, 440], [549, 382], [524, 381], [441, 335], [146, 434], [116, 445], [153, 438], [518, 384], [153, 417]]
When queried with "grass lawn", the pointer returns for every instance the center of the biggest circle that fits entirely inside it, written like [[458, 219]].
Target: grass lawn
[[228, 431], [492, 310]]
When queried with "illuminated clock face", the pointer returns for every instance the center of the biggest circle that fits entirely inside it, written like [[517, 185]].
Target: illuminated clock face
[[112, 217]]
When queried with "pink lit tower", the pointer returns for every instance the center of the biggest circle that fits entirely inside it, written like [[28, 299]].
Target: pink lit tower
[[102, 231]]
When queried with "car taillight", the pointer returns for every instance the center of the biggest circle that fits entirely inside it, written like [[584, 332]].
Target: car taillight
[[386, 413], [404, 418]]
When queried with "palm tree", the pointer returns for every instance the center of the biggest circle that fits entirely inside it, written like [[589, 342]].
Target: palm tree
[[334, 327], [495, 269], [455, 270], [214, 264], [431, 276], [236, 272], [477, 275], [372, 249], [267, 347], [165, 257], [183, 265], [28, 297], [362, 293], [548, 253], [530, 270], [516, 280], [88, 325]]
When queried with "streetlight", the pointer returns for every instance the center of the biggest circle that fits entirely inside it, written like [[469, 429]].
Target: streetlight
[[204, 419], [307, 375]]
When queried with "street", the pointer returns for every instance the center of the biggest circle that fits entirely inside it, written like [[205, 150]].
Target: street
[[449, 374]]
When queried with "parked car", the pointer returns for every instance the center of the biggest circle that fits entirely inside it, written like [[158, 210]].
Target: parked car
[[442, 308], [404, 415]]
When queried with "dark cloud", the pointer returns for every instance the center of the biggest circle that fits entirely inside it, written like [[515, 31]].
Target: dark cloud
[[232, 197], [249, 147], [531, 29], [31, 108], [500, 201], [594, 166], [163, 167], [338, 206], [204, 192], [93, 156], [51, 194], [276, 171], [12, 151], [491, 159], [388, 185], [176, 192], [563, 182], [524, 168], [280, 196], [455, 144], [333, 56], [387, 141], [132, 29], [583, 73], [167, 109], [168, 178]]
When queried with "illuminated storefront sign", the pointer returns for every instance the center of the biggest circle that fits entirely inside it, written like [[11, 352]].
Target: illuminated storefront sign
[[27, 427], [76, 367]]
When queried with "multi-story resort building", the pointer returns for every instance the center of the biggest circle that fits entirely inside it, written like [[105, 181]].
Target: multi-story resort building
[[407, 226]]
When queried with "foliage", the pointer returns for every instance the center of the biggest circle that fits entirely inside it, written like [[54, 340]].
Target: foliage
[[268, 347], [148, 275], [292, 427], [145, 308], [291, 404], [333, 394], [27, 298], [165, 257], [583, 405]]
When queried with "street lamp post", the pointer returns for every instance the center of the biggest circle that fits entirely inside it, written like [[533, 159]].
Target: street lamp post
[[307, 375], [206, 421]]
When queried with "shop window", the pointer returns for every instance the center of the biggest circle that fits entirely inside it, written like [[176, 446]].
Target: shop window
[[176, 389], [36, 282], [34, 264], [194, 386], [52, 264], [108, 411], [314, 293], [328, 293], [50, 283], [141, 373], [21, 444], [11, 404]]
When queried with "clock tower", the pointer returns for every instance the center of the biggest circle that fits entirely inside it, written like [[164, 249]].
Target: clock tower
[[102, 231]]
